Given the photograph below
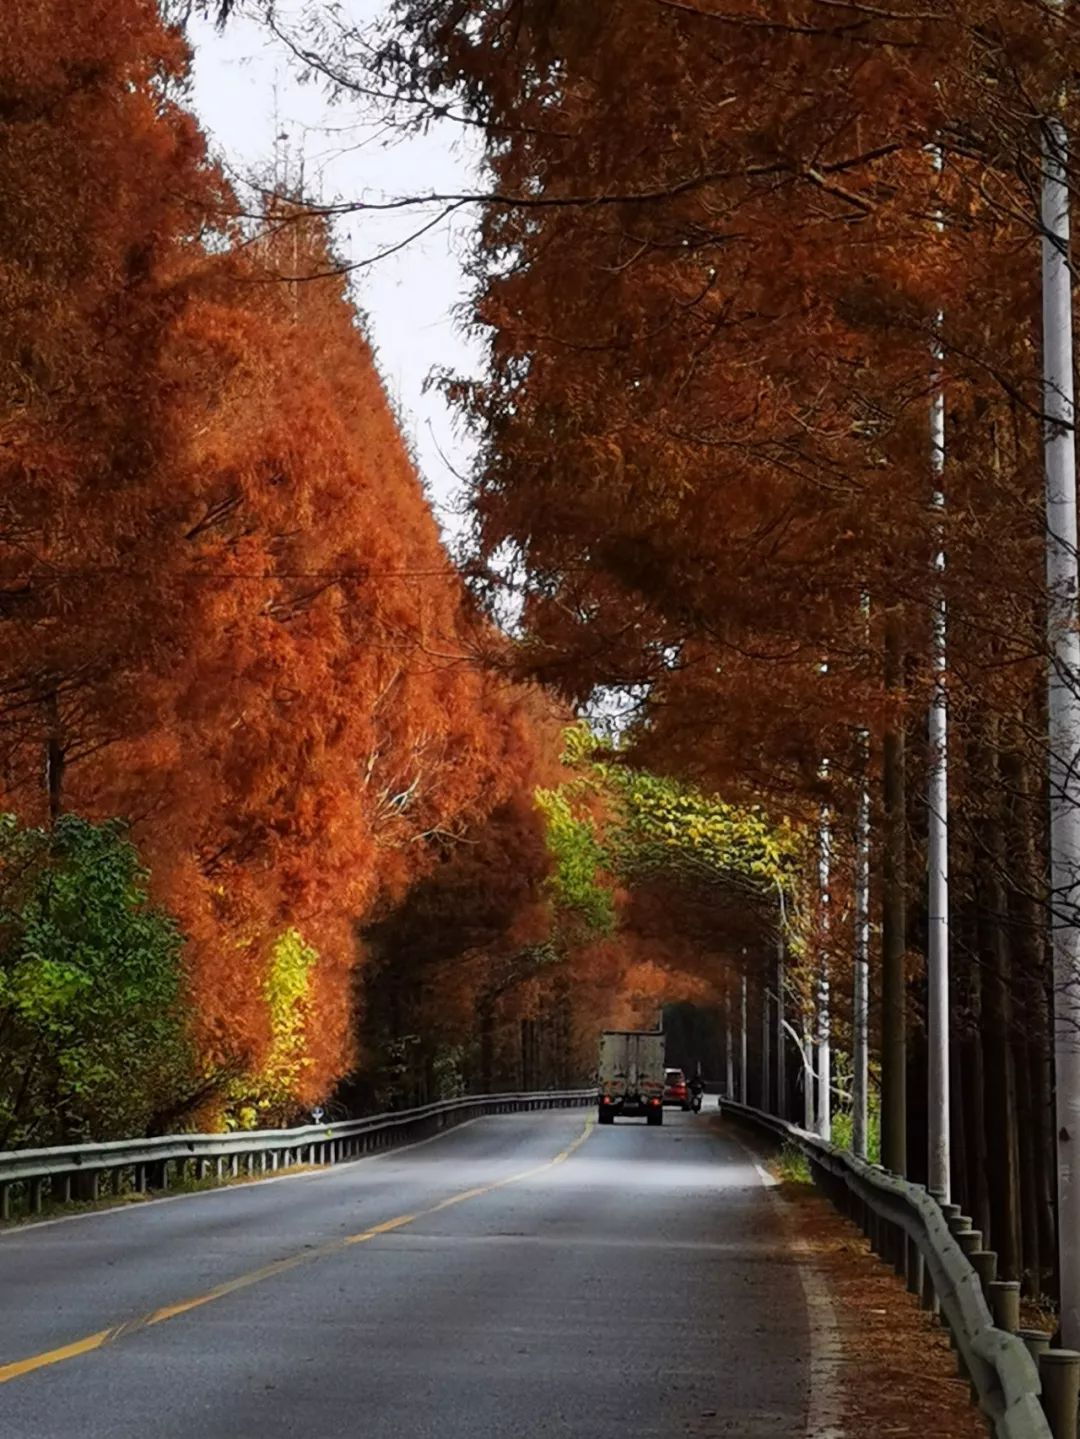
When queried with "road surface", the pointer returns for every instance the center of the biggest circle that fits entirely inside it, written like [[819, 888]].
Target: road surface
[[524, 1275]]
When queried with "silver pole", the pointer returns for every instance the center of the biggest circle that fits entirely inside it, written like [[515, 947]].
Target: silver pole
[[781, 1051], [937, 856], [766, 1047], [861, 997], [729, 1057], [1064, 705], [824, 1025]]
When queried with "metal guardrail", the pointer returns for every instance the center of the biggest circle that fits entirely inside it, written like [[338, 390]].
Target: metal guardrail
[[941, 1257], [77, 1170]]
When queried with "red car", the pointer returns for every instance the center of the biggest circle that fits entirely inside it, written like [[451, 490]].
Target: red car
[[675, 1088]]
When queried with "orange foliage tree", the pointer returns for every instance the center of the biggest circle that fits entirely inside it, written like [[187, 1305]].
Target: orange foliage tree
[[228, 615]]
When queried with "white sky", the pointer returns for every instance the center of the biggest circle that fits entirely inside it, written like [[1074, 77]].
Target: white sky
[[246, 92]]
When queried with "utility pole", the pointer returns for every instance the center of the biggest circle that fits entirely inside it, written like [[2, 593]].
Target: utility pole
[[729, 1057], [894, 910], [824, 1027], [937, 801], [742, 1044], [781, 1044], [1064, 703], [766, 1047], [860, 1006]]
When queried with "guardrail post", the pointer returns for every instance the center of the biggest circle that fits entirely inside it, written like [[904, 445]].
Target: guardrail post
[[35, 1196], [914, 1265], [899, 1251], [928, 1298], [1037, 1341], [84, 1184], [969, 1241], [1059, 1370], [984, 1263], [1004, 1297], [5, 1201]]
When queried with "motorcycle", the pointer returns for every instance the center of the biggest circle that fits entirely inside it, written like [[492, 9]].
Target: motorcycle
[[695, 1102]]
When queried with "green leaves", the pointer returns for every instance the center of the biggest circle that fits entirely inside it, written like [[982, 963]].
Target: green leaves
[[288, 1000], [579, 863], [92, 1009], [608, 824]]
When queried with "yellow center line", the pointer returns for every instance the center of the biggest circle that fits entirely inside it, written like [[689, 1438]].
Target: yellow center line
[[268, 1271]]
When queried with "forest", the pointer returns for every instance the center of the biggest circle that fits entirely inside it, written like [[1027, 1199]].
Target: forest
[[281, 825], [290, 817]]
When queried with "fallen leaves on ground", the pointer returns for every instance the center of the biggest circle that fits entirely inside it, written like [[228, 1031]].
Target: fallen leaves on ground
[[897, 1370]]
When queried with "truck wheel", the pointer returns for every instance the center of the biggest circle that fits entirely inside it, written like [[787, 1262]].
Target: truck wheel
[[654, 1117], [605, 1116]]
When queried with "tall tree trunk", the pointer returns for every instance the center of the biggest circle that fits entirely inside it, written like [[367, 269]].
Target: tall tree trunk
[[1002, 1148], [1031, 1036], [54, 758], [976, 1198], [487, 1043], [780, 1035], [961, 1169], [894, 917]]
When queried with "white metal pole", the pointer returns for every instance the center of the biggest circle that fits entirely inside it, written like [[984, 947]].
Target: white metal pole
[[824, 1025], [781, 1044], [766, 1049], [808, 1076], [729, 1056], [937, 854], [1064, 704], [742, 1046], [861, 997], [781, 1004]]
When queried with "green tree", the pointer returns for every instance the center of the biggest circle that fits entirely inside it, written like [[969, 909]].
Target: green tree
[[636, 826], [93, 1040]]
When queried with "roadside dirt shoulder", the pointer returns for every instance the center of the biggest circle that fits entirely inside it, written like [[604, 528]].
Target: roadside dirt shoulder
[[881, 1365], [891, 1364]]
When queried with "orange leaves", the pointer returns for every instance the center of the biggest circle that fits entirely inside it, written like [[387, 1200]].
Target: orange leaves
[[223, 594]]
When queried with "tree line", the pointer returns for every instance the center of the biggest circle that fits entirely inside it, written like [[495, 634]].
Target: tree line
[[764, 420], [228, 620], [278, 824]]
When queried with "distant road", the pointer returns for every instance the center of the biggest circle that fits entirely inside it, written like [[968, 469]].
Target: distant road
[[525, 1275]]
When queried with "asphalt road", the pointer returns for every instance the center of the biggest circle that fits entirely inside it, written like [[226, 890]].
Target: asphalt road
[[465, 1287]]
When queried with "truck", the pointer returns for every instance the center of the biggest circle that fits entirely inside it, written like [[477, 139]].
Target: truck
[[631, 1075]]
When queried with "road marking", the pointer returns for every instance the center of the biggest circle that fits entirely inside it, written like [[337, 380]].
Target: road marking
[[268, 1271], [55, 1356]]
